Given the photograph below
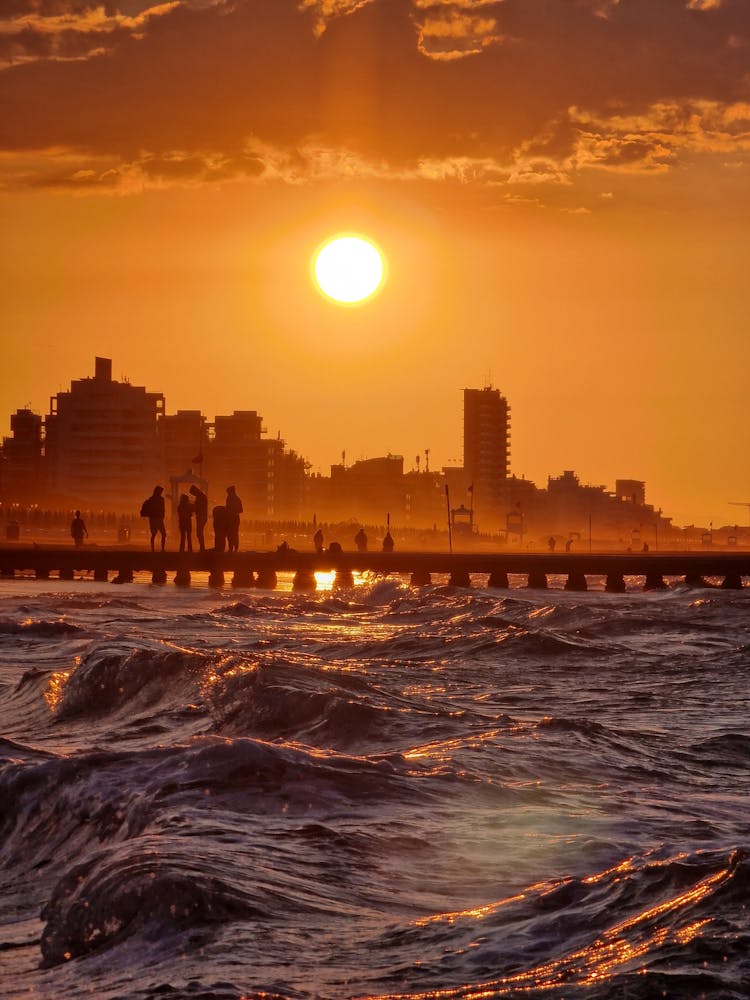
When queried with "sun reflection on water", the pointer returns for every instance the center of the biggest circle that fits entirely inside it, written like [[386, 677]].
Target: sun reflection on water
[[588, 966], [55, 688]]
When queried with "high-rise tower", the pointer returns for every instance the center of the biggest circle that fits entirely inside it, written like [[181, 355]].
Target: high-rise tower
[[486, 444]]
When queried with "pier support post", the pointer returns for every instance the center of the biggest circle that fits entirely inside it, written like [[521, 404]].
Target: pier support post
[[123, 576], [615, 583], [41, 574], [498, 580], [537, 580], [243, 579], [420, 578], [159, 576], [101, 575], [65, 574], [304, 579], [459, 578], [182, 577], [576, 581], [216, 579], [266, 579], [732, 581], [695, 580], [343, 578], [654, 581], [7, 574]]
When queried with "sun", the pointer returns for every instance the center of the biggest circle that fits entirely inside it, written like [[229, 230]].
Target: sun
[[349, 269]]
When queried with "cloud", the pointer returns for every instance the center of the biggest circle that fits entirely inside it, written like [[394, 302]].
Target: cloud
[[449, 32], [513, 95], [49, 29]]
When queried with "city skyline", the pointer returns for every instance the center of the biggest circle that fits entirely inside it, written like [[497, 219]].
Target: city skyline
[[103, 441], [560, 190]]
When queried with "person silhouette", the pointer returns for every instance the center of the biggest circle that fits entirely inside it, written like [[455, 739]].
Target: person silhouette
[[153, 508], [220, 528], [388, 542], [360, 540], [185, 522], [234, 509], [318, 541], [200, 506], [551, 543], [78, 529]]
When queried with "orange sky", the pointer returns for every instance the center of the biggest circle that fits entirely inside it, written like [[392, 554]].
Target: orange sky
[[561, 188]]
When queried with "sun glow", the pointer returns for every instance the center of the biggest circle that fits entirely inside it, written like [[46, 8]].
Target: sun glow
[[349, 269]]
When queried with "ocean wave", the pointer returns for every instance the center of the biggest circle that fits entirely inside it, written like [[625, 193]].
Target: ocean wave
[[142, 889], [311, 703], [725, 751], [603, 935], [40, 628], [112, 676]]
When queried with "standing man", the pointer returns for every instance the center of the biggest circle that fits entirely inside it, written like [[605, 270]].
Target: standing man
[[234, 509], [200, 506], [153, 508], [184, 521], [78, 529]]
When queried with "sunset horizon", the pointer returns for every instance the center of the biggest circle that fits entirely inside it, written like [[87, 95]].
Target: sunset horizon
[[374, 499], [560, 192]]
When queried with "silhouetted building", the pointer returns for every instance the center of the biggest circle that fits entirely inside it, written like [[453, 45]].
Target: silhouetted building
[[22, 468], [633, 490], [486, 446], [103, 442], [424, 499], [368, 490], [270, 479], [185, 440]]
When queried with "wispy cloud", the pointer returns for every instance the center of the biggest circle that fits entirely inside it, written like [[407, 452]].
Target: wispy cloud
[[51, 30]]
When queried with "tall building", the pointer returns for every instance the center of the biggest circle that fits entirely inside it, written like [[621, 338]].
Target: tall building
[[185, 440], [22, 478], [239, 456], [486, 446], [103, 443]]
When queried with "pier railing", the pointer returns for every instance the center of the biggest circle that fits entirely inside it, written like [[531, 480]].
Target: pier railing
[[260, 569]]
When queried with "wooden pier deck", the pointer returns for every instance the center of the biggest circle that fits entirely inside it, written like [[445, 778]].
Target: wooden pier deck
[[259, 569]]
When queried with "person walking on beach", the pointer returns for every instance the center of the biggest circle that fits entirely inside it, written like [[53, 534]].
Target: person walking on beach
[[185, 522], [234, 509], [200, 506], [153, 508], [78, 529], [318, 541], [388, 542]]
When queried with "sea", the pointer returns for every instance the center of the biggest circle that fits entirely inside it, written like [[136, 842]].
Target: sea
[[381, 791]]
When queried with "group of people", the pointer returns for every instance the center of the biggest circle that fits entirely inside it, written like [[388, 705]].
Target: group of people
[[226, 519], [360, 540], [226, 524]]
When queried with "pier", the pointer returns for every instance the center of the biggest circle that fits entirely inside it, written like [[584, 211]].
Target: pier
[[260, 569]]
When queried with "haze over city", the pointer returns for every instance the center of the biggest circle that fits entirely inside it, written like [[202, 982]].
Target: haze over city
[[559, 190]]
